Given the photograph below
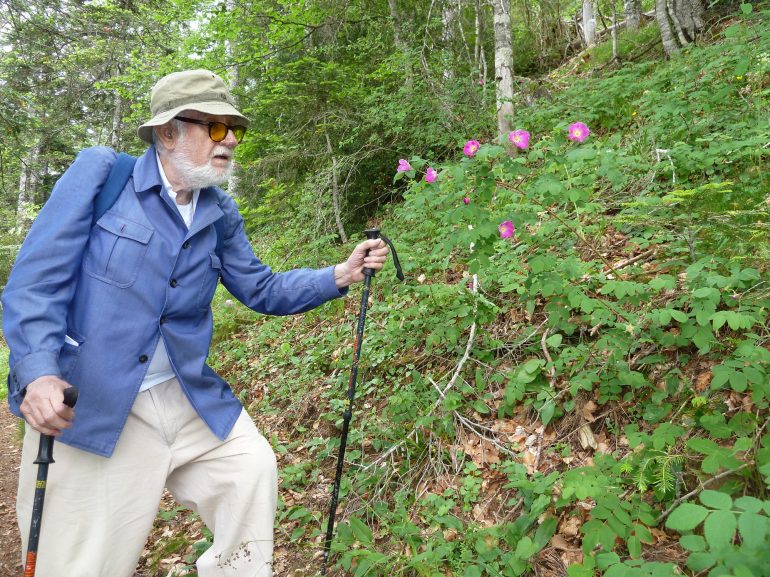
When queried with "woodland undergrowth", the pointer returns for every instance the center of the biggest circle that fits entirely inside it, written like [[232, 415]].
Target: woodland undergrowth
[[586, 396]]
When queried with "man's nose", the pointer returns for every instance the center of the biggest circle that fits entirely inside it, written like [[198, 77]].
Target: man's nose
[[230, 141]]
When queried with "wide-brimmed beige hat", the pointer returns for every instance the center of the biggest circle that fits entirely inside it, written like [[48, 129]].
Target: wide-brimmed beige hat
[[200, 90]]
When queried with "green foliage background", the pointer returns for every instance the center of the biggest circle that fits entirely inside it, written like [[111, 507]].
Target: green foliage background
[[604, 370]]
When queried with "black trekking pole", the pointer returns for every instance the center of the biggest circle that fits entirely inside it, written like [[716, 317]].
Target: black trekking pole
[[44, 458], [368, 275]]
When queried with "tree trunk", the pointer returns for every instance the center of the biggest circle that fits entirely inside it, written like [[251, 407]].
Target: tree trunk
[[448, 20], [589, 22], [670, 44], [234, 182], [335, 191], [28, 182], [503, 66], [402, 46], [633, 11], [117, 118], [679, 22], [614, 32], [480, 56]]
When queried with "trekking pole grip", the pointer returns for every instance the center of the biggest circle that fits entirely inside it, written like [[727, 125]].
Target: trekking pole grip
[[71, 396], [373, 234], [45, 450]]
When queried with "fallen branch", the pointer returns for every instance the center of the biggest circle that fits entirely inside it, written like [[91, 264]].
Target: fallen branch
[[694, 492]]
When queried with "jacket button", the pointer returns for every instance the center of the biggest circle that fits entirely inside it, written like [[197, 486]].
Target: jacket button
[[173, 283], [186, 244], [163, 320], [143, 359]]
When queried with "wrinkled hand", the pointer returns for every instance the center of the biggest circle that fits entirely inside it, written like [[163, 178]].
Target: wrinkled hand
[[371, 254], [43, 406]]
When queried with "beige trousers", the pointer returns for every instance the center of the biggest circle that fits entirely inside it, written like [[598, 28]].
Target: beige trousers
[[99, 511]]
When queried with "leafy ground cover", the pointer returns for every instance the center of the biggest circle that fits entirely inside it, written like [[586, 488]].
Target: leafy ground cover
[[574, 379]]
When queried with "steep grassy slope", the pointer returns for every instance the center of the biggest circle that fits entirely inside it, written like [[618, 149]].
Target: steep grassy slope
[[588, 396]]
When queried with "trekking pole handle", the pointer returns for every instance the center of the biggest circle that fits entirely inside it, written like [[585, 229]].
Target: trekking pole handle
[[373, 234], [45, 450]]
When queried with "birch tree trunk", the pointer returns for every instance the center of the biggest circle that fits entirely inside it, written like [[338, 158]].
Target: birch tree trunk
[[234, 181], [503, 65], [29, 179], [589, 22], [679, 22], [117, 121], [633, 10], [448, 20], [479, 54], [670, 45]]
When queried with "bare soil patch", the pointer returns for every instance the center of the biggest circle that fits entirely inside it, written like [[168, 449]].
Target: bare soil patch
[[10, 457]]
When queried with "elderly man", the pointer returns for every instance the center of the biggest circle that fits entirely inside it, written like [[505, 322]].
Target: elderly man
[[121, 309]]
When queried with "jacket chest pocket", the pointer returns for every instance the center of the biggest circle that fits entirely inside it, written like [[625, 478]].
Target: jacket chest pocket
[[116, 250], [210, 280]]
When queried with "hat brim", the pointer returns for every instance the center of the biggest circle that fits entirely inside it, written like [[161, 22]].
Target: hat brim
[[213, 108]]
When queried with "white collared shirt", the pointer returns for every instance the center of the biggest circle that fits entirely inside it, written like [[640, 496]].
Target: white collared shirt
[[160, 369]]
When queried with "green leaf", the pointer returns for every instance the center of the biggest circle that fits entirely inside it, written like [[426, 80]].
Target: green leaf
[[634, 547], [554, 340], [753, 529], [686, 517], [747, 9], [547, 411], [716, 500], [480, 407], [750, 504], [604, 560], [545, 532], [360, 531], [719, 529], [700, 561], [693, 543]]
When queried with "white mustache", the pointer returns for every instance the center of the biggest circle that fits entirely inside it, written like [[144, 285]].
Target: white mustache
[[221, 151]]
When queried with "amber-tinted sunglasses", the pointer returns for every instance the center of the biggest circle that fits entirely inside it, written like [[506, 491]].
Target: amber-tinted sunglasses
[[217, 130]]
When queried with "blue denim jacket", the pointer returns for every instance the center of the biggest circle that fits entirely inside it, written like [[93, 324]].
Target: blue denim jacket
[[116, 287]]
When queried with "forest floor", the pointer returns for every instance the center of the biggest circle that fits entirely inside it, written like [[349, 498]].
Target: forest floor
[[10, 456], [172, 519]]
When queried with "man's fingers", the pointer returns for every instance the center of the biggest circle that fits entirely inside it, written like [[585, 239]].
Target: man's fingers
[[46, 411]]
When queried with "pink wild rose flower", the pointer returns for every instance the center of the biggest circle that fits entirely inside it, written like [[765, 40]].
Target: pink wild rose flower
[[506, 229], [471, 147], [578, 132], [467, 200], [431, 175], [403, 166], [519, 138]]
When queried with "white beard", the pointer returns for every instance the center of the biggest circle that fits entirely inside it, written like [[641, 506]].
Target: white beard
[[199, 176]]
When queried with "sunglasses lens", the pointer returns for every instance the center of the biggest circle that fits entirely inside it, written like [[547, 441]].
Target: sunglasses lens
[[217, 131], [239, 132]]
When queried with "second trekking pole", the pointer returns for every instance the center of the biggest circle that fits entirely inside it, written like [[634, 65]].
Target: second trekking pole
[[44, 458], [368, 275]]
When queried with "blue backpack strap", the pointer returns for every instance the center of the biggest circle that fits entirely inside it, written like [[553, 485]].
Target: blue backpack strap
[[116, 181]]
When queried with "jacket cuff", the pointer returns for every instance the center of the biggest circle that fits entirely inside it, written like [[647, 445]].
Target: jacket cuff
[[328, 285], [34, 366]]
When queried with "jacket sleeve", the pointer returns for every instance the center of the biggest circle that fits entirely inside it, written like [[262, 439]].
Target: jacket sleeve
[[44, 277], [258, 287]]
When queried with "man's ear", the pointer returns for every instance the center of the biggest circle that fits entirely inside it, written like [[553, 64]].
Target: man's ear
[[167, 134]]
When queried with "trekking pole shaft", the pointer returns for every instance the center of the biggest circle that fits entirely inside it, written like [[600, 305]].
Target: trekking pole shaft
[[42, 461], [44, 458], [346, 417]]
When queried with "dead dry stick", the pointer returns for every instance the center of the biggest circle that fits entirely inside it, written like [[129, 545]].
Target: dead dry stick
[[694, 492]]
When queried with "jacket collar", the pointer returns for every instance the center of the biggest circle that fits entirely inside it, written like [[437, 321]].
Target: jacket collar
[[147, 179]]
